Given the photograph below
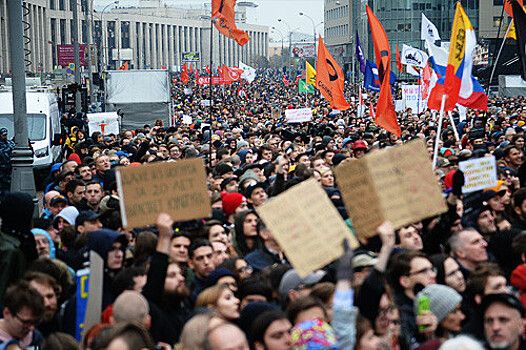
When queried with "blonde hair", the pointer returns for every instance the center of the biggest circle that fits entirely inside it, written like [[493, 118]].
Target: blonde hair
[[210, 296]]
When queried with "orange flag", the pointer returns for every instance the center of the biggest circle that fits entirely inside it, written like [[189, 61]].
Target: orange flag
[[224, 19], [184, 74], [399, 60], [507, 6], [124, 66], [329, 78], [190, 69], [385, 111]]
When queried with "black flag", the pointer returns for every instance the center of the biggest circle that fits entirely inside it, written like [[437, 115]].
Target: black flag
[[519, 17]]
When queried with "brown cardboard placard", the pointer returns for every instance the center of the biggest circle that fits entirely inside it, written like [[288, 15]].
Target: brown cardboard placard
[[307, 226], [276, 113], [177, 188], [396, 184]]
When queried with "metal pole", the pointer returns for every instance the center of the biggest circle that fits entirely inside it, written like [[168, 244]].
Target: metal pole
[[498, 56], [76, 48], [89, 6], [497, 38], [22, 175]]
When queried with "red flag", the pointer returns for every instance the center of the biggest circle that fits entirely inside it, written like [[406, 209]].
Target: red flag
[[190, 69], [196, 71], [163, 67], [207, 70], [231, 74], [220, 71], [224, 18], [399, 60], [425, 82], [507, 6], [385, 112], [124, 66], [329, 78], [184, 74], [371, 110], [285, 80], [297, 78]]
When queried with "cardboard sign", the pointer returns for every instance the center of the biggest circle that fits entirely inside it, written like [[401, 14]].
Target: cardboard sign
[[187, 119], [177, 188], [307, 226], [479, 173], [105, 123], [396, 184], [276, 113], [412, 97], [298, 115]]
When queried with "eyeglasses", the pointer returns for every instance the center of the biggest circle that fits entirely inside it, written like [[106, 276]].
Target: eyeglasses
[[432, 270], [245, 269], [28, 323]]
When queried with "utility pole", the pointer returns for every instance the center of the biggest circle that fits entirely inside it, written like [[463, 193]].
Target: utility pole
[[75, 38], [90, 59], [22, 175]]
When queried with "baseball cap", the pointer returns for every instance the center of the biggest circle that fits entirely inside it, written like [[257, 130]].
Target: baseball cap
[[58, 198], [3, 132], [86, 215], [359, 145], [504, 298], [363, 258], [291, 280]]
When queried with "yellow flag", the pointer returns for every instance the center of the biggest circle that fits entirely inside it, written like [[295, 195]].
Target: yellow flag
[[311, 75], [512, 34]]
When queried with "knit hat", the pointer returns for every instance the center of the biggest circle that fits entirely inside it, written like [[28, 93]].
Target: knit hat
[[248, 175], [442, 300], [223, 168], [215, 275], [314, 334], [231, 201], [240, 144]]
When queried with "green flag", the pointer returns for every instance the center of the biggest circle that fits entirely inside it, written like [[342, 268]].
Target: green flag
[[301, 87]]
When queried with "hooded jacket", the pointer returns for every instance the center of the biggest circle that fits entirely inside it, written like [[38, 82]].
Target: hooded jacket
[[40, 232]]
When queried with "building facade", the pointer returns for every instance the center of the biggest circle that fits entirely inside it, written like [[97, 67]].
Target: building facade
[[150, 36]]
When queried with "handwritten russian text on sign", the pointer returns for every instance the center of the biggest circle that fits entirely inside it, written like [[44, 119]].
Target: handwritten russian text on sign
[[298, 115], [479, 173], [105, 123], [412, 97], [396, 184], [177, 188], [310, 235]]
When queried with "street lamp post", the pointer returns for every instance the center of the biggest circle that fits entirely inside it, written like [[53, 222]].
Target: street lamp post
[[290, 39], [281, 35], [313, 31], [116, 2]]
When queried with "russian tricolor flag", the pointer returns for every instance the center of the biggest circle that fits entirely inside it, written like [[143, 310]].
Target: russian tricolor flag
[[454, 69]]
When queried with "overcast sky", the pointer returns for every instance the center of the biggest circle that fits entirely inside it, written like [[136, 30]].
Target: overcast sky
[[267, 13]]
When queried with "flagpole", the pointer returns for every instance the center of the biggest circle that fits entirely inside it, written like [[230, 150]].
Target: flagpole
[[210, 88], [497, 38], [455, 131], [498, 56], [439, 130], [419, 91], [306, 87]]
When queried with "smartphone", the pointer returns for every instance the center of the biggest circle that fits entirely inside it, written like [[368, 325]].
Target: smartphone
[[423, 305]]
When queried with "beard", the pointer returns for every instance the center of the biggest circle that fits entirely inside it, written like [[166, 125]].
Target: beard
[[178, 294]]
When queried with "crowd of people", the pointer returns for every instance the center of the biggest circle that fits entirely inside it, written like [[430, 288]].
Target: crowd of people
[[453, 281]]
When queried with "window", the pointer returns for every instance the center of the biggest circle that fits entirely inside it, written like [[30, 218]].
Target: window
[[496, 22], [36, 124]]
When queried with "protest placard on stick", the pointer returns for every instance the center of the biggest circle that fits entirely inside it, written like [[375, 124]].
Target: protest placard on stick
[[479, 173], [307, 226], [177, 188], [396, 184]]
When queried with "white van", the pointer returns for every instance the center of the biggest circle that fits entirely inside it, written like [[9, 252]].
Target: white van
[[43, 122]]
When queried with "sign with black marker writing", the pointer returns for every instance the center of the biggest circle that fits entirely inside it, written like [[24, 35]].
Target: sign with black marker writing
[[177, 188]]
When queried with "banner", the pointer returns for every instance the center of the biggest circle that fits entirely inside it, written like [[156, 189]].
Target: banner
[[249, 73], [297, 226], [177, 188], [66, 54], [303, 50], [191, 56], [413, 57], [412, 96], [215, 81], [105, 123], [396, 184], [82, 302], [298, 115], [479, 173]]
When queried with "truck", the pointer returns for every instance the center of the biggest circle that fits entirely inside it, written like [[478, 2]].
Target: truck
[[43, 120]]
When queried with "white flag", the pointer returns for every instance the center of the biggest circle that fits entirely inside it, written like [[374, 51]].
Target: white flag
[[429, 30], [413, 57], [249, 73]]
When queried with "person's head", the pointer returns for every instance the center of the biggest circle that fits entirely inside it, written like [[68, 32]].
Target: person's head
[[448, 272], [306, 308], [44, 243], [408, 238], [131, 306], [69, 165], [174, 286], [221, 299], [55, 202], [201, 257], [216, 231], [88, 221], [75, 191], [444, 303], [103, 163], [94, 193], [23, 310], [179, 247], [220, 252], [486, 279], [194, 333], [292, 286], [519, 203], [410, 268], [226, 336], [253, 290], [256, 194], [110, 246], [124, 336], [513, 156], [84, 171], [325, 292], [246, 234], [271, 331], [503, 317], [468, 247], [365, 337], [463, 342], [47, 287]]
